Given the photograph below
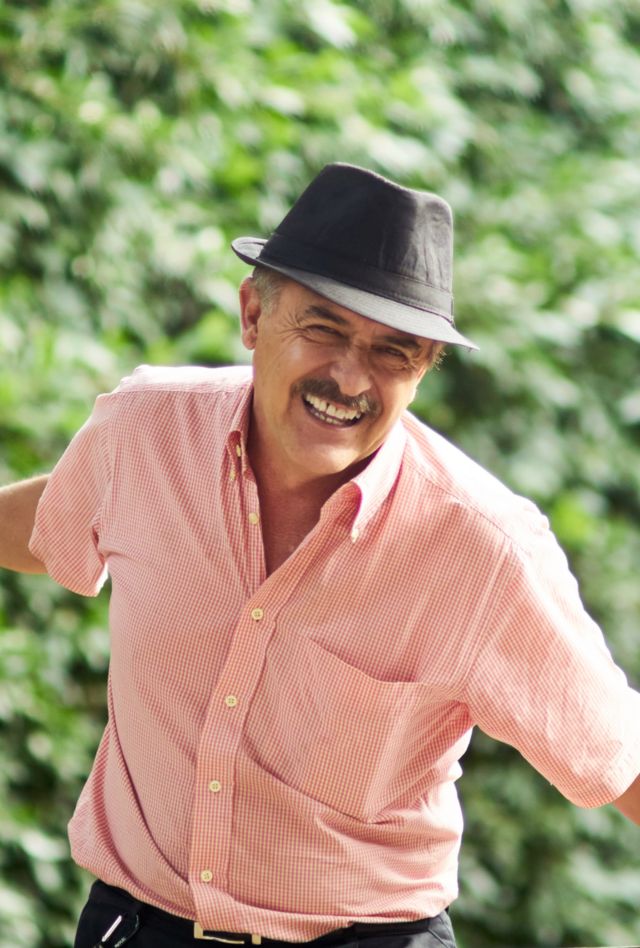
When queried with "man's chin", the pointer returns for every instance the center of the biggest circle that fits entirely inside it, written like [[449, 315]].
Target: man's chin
[[333, 463]]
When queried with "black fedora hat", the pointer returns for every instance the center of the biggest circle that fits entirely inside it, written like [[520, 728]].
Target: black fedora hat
[[370, 245]]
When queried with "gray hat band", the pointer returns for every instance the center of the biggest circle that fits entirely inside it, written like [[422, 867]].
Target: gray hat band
[[280, 250]]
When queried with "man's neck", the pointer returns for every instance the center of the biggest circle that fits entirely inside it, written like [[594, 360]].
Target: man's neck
[[280, 483], [288, 513], [290, 506]]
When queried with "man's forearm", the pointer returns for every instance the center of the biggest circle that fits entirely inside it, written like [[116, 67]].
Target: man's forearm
[[18, 504]]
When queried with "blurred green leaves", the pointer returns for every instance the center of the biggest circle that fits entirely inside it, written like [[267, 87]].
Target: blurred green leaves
[[137, 138]]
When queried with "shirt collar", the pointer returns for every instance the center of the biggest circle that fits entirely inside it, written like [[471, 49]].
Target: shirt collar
[[376, 480], [366, 492], [239, 430]]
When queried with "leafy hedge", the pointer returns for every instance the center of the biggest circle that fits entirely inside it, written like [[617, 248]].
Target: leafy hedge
[[137, 137]]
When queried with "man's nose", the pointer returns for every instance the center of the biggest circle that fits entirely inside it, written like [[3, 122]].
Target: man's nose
[[351, 372]]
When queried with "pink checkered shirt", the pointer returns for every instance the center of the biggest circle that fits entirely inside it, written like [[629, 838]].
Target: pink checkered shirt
[[281, 752]]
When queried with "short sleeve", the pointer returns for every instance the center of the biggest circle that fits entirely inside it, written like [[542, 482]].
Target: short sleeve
[[544, 681], [66, 533]]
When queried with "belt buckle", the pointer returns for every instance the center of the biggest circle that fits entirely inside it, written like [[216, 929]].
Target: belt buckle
[[200, 935]]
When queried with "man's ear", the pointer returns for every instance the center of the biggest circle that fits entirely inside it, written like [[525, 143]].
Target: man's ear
[[250, 311]]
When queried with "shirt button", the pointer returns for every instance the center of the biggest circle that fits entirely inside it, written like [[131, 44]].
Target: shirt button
[[215, 786], [254, 519], [231, 701], [238, 450], [232, 474], [355, 533], [206, 875], [257, 614]]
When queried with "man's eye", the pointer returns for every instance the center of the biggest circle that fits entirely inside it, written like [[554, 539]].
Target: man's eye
[[390, 354]]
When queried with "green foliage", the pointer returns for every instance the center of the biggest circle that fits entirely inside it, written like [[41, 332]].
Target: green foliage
[[137, 137]]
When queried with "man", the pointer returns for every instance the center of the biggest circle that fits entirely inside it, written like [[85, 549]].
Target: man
[[314, 598]]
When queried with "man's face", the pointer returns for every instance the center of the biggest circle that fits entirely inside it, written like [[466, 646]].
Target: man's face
[[329, 384]]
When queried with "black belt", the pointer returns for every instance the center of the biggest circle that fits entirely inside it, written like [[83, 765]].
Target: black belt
[[132, 912]]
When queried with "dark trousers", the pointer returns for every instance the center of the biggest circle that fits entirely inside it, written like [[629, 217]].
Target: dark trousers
[[133, 923]]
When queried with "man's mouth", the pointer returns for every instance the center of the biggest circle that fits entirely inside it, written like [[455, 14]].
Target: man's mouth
[[330, 413]]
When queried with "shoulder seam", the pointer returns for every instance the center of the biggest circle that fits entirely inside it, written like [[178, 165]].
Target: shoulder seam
[[467, 504]]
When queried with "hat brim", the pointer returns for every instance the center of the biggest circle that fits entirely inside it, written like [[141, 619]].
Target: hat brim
[[397, 315]]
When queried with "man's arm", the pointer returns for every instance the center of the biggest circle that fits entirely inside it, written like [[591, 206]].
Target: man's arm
[[18, 504], [629, 802]]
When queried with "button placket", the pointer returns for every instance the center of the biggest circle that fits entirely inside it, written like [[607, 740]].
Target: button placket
[[249, 512], [220, 739], [212, 846]]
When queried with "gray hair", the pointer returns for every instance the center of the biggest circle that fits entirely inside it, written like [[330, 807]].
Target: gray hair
[[268, 284]]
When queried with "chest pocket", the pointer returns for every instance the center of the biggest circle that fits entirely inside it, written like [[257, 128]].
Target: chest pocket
[[332, 732]]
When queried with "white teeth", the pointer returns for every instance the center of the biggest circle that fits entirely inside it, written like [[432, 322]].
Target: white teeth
[[331, 410]]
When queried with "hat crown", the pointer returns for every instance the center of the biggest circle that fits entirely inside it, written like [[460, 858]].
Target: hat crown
[[371, 245], [355, 214]]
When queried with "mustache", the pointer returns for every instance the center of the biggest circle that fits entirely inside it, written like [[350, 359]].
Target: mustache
[[330, 392]]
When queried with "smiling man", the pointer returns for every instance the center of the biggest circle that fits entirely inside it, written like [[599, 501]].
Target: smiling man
[[314, 598], [329, 386]]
